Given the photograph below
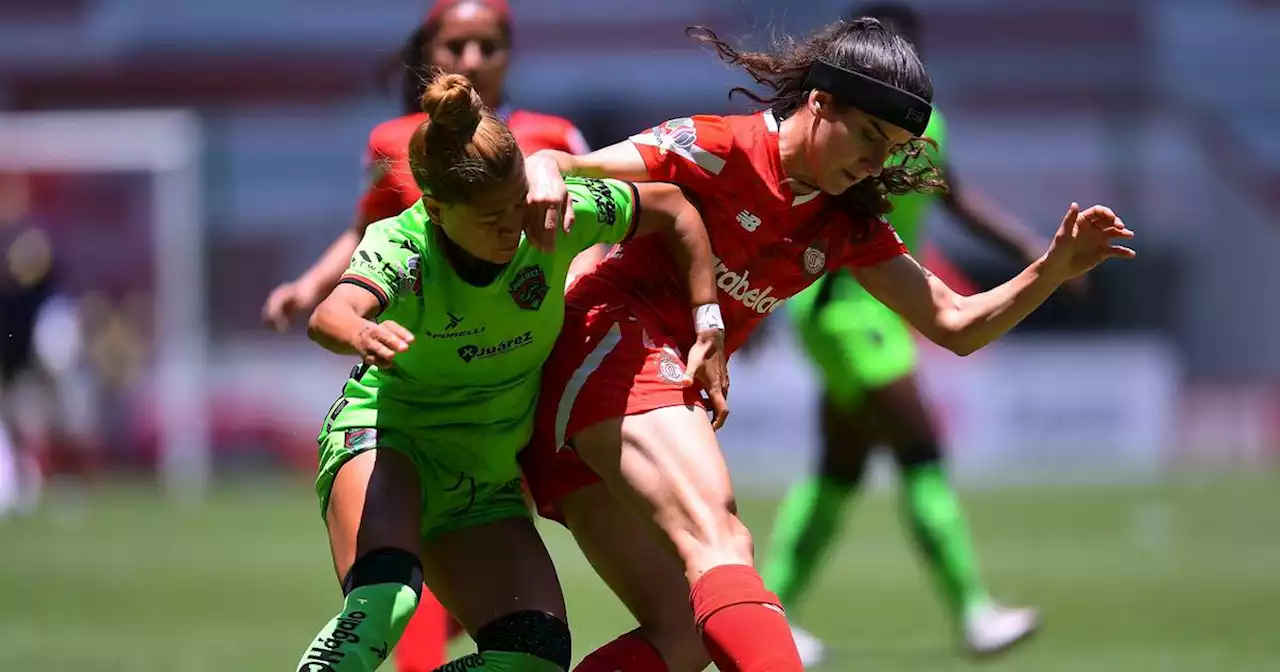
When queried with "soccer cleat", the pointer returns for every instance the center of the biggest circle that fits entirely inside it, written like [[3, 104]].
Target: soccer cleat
[[812, 651], [992, 629]]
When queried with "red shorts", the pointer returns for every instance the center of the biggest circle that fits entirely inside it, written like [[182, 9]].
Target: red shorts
[[606, 364]]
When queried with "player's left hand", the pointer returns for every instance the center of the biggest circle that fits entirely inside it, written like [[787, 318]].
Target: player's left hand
[[287, 302], [709, 365], [1085, 240], [547, 207]]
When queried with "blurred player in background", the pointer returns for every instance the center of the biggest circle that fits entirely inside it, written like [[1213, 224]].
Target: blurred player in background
[[453, 312], [28, 283], [469, 37], [788, 194], [866, 355]]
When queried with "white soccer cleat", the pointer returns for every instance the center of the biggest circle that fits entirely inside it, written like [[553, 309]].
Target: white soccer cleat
[[993, 629], [812, 651]]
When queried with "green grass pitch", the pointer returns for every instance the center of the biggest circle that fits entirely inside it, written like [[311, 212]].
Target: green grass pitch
[[1183, 575]]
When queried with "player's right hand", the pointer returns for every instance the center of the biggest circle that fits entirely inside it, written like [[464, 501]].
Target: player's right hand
[[286, 302], [378, 344], [547, 206], [709, 365]]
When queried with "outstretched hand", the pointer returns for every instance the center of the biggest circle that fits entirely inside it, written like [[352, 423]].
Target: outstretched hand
[[1085, 240], [287, 302]]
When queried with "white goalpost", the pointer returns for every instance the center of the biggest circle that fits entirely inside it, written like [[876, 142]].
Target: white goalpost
[[166, 145]]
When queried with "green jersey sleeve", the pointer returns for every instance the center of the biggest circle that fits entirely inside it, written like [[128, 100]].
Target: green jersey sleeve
[[388, 261], [604, 211]]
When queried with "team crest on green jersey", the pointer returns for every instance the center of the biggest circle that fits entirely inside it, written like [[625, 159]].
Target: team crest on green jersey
[[529, 287], [410, 272]]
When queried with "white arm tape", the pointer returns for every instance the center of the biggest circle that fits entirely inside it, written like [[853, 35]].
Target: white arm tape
[[707, 316]]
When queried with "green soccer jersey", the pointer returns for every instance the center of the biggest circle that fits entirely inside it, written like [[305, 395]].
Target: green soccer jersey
[[478, 351], [911, 210]]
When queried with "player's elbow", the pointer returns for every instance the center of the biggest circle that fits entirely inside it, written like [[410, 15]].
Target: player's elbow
[[317, 324], [953, 332]]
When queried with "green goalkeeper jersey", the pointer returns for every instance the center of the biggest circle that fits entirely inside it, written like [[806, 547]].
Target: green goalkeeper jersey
[[478, 352]]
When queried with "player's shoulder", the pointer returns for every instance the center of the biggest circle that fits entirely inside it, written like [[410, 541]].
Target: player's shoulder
[[536, 131], [391, 137], [708, 132], [538, 121], [411, 224]]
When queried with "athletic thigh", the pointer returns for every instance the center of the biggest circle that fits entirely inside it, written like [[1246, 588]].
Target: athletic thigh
[[483, 572], [904, 418], [850, 435], [666, 465], [626, 551], [372, 502]]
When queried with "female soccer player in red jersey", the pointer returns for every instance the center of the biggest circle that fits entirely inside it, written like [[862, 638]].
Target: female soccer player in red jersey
[[787, 195], [469, 37]]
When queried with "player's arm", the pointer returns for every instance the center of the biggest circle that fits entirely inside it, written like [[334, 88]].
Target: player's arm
[[964, 324], [620, 161], [586, 260], [961, 324], [337, 322], [576, 144], [344, 322], [987, 220], [380, 200], [665, 209]]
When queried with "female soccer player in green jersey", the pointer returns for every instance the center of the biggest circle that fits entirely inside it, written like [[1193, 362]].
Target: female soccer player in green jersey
[[453, 311], [865, 354]]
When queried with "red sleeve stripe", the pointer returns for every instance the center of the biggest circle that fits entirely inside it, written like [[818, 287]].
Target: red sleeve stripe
[[371, 286]]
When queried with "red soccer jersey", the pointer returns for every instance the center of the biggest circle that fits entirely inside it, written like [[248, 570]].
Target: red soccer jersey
[[769, 243], [390, 187]]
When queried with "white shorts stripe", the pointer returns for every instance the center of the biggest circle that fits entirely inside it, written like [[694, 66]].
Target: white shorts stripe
[[579, 379]]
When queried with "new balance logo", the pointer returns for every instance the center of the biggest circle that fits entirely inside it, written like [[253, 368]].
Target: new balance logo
[[738, 287], [748, 221]]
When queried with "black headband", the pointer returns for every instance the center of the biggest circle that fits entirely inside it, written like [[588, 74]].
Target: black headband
[[876, 98]]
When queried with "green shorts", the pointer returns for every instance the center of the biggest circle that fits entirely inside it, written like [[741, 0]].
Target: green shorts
[[855, 341], [455, 494]]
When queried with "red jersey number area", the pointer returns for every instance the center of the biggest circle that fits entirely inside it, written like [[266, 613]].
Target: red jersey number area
[[630, 322]]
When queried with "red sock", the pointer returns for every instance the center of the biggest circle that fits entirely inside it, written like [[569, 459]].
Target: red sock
[[628, 653], [742, 623], [422, 646]]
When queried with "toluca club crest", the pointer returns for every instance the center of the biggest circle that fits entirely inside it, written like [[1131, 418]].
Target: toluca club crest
[[815, 261], [529, 288]]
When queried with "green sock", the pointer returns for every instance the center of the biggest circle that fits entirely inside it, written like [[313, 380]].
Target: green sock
[[500, 661], [807, 521], [362, 635], [941, 535]]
